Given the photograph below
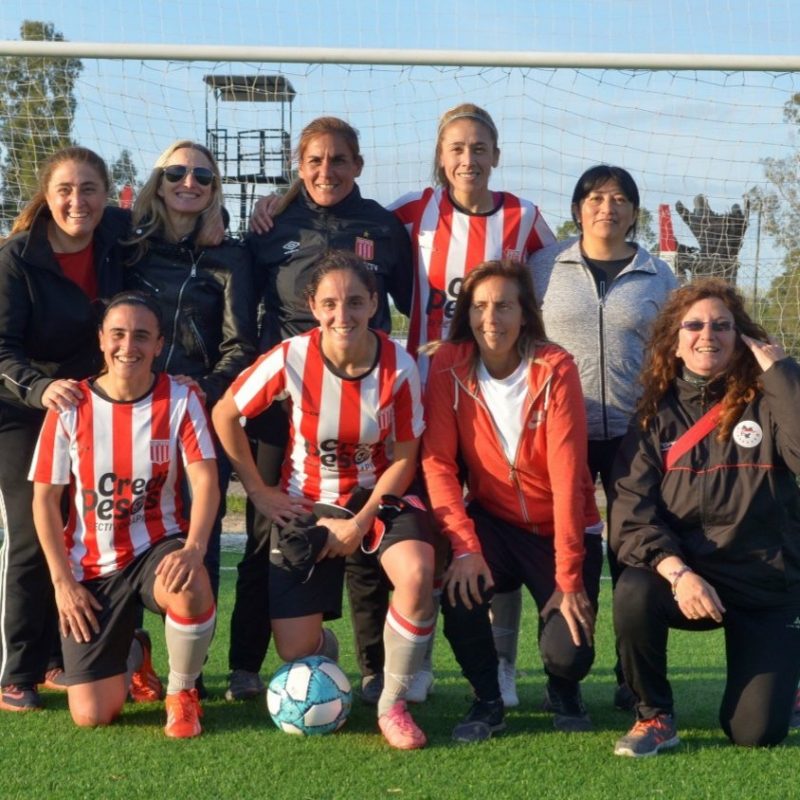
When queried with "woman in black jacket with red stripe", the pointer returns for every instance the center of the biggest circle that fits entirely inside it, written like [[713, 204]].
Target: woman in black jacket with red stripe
[[706, 517]]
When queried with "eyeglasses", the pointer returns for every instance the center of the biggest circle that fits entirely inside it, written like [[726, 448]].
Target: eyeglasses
[[177, 172], [717, 325]]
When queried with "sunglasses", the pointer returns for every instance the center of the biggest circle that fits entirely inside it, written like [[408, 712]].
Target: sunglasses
[[717, 325], [177, 172]]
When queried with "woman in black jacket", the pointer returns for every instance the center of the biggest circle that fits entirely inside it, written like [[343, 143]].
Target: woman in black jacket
[[205, 292], [706, 517], [60, 259]]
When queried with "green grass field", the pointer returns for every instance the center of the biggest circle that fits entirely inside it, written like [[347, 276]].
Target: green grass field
[[242, 755]]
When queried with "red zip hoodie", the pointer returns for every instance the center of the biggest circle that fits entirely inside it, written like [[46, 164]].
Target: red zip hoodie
[[546, 490]]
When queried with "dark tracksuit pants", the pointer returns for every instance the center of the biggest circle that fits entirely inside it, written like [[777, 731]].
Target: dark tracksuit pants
[[517, 557], [762, 649], [28, 618]]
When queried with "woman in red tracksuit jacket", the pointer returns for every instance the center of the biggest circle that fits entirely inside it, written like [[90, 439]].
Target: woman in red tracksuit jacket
[[507, 404]]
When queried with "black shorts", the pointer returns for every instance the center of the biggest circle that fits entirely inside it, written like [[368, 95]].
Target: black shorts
[[299, 595], [516, 557], [120, 595]]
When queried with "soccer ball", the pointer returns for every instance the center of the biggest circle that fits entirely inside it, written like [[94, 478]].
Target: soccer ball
[[309, 697]]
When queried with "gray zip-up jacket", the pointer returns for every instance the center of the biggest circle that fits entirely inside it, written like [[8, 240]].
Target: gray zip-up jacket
[[605, 332]]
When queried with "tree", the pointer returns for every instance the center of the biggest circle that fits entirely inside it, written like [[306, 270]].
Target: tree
[[645, 234], [779, 213], [37, 110], [123, 172]]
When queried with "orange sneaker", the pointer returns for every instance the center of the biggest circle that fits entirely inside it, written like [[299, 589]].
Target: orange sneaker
[[146, 686], [400, 730], [54, 680], [183, 715]]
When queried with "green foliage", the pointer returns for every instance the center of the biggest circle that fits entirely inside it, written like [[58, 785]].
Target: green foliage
[[37, 108], [242, 754], [566, 230], [123, 172]]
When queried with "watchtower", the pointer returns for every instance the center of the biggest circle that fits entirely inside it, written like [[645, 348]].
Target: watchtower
[[249, 156]]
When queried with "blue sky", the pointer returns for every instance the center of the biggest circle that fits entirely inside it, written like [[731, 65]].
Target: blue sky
[[679, 133]]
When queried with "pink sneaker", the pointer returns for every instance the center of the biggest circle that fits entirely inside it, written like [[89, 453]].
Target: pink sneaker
[[400, 730]]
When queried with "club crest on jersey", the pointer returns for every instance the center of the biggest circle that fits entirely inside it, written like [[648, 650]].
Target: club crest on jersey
[[385, 418], [748, 434], [159, 451], [512, 255], [364, 248]]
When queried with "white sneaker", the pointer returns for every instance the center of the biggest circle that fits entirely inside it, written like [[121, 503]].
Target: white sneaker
[[507, 678], [421, 686]]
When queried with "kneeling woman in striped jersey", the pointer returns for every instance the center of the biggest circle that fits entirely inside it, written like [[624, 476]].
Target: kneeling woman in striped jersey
[[356, 418], [124, 448]]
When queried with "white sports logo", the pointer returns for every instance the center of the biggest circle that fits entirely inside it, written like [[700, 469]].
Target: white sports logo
[[748, 434], [290, 247]]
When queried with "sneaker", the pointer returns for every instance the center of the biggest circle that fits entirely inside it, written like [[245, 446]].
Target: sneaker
[[569, 712], [146, 686], [625, 698], [244, 685], [647, 737], [371, 689], [20, 697], [54, 680], [420, 687], [400, 730], [183, 715], [484, 718], [507, 678], [794, 722]]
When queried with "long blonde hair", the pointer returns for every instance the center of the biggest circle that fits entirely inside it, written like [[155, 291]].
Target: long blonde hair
[[463, 111], [150, 217]]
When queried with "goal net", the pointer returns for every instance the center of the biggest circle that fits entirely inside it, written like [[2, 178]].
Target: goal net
[[715, 140]]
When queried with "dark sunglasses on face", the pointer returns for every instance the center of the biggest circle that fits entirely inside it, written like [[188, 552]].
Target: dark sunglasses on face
[[177, 172], [717, 325]]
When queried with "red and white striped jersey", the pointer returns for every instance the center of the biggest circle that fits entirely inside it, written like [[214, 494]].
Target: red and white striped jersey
[[342, 430], [121, 461], [448, 242]]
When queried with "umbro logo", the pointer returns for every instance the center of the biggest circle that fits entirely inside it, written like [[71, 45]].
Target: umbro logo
[[290, 247], [794, 625]]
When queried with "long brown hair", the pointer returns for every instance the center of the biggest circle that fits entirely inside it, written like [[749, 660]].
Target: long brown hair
[[79, 155], [532, 331], [663, 365]]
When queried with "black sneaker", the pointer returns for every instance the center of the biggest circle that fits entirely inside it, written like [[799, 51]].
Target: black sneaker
[[20, 697], [371, 689], [484, 718], [569, 712], [648, 736], [625, 698]]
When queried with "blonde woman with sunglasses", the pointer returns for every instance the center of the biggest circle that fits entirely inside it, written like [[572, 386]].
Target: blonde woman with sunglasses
[[203, 286]]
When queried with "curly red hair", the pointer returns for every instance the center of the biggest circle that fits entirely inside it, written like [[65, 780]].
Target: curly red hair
[[662, 365]]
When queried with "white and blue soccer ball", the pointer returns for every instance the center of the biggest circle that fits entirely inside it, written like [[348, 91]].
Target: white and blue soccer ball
[[310, 696]]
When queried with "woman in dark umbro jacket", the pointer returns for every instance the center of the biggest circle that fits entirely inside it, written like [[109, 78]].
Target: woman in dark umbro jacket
[[706, 517]]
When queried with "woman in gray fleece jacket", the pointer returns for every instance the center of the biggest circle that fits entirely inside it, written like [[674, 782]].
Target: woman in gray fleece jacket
[[599, 294]]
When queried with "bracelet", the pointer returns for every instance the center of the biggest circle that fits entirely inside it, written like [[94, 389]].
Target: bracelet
[[675, 576], [358, 527]]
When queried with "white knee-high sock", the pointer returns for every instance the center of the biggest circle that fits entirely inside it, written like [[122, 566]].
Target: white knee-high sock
[[188, 640], [405, 642]]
